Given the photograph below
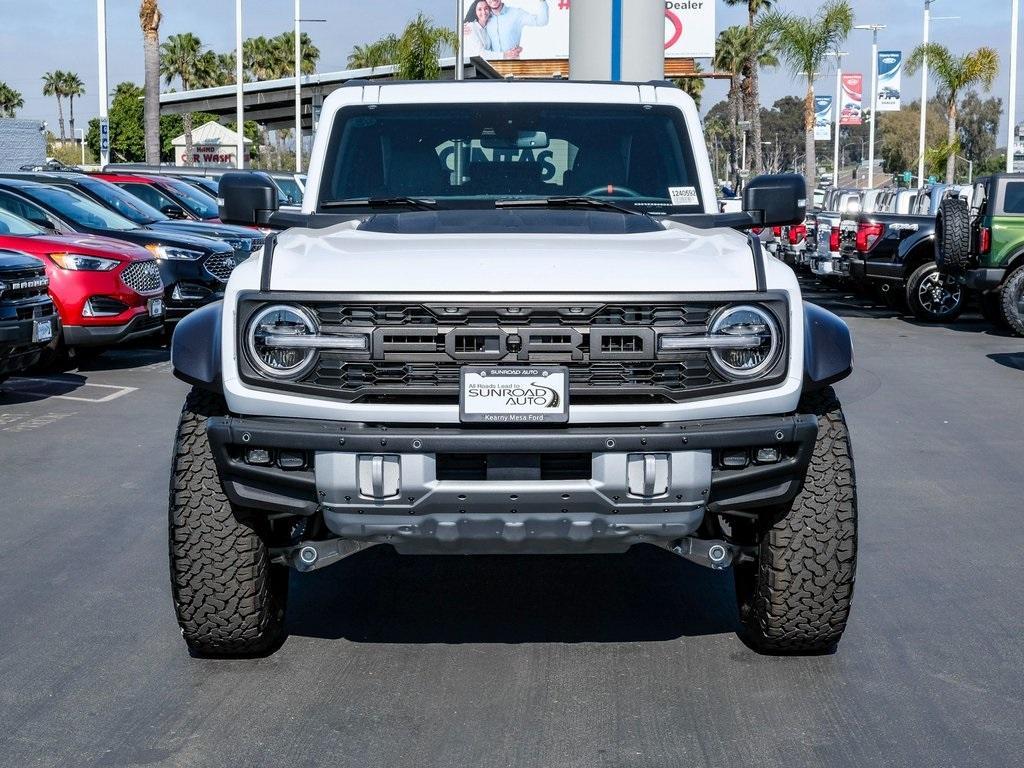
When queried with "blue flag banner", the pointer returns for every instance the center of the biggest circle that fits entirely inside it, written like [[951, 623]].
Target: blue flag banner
[[822, 118], [890, 80]]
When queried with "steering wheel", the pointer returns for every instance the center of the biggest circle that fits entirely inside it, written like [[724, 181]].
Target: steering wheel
[[604, 191]]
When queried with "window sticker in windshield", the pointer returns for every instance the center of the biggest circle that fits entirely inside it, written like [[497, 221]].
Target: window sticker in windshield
[[683, 196]]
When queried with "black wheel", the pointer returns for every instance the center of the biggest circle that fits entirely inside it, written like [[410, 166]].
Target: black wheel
[[953, 234], [1011, 302], [991, 309], [934, 296], [229, 599], [795, 597]]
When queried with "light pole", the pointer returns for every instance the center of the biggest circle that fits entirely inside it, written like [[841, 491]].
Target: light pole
[[101, 43], [239, 99], [837, 113], [298, 83], [924, 89], [1011, 114], [460, 52], [82, 141], [873, 28]]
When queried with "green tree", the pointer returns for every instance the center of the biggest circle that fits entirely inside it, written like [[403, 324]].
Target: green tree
[[694, 86], [53, 85], [804, 42], [751, 72], [378, 54], [149, 20], [978, 129], [127, 134], [284, 54], [73, 88], [415, 52], [180, 59], [10, 101], [730, 55], [954, 74]]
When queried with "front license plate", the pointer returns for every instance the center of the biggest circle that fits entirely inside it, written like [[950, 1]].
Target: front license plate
[[156, 307], [42, 330], [504, 395]]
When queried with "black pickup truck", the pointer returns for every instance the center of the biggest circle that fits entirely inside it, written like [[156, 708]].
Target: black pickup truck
[[28, 320], [894, 253]]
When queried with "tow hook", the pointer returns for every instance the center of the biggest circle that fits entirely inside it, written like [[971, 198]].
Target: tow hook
[[313, 555], [717, 555]]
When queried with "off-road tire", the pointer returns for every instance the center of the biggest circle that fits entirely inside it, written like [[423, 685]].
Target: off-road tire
[[796, 597], [1010, 302], [991, 305], [934, 296], [953, 234], [229, 599]]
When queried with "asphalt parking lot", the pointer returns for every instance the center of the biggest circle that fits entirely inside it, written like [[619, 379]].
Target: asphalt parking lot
[[558, 662]]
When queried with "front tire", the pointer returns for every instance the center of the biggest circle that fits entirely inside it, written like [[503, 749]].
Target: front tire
[[228, 597], [795, 597], [1011, 302], [934, 296]]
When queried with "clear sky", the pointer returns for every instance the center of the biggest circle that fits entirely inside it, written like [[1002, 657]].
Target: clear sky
[[40, 35]]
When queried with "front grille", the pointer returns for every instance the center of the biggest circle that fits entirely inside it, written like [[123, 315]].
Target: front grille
[[36, 311], [22, 284], [142, 277], [221, 265], [246, 245]]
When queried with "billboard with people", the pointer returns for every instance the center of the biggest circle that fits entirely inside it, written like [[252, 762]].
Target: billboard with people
[[539, 29]]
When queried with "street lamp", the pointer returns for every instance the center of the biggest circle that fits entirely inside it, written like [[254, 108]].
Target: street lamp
[[298, 82], [873, 28], [924, 88], [101, 44], [460, 51], [1011, 141], [239, 99], [836, 111]]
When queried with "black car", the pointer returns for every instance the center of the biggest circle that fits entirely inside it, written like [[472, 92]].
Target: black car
[[28, 319], [244, 240], [194, 269]]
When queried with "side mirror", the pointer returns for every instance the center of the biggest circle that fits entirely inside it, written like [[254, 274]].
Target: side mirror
[[247, 199], [775, 201], [173, 212]]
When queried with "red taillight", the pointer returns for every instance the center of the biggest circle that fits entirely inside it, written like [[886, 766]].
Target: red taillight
[[868, 235], [834, 241], [986, 240], [757, 230], [797, 234], [777, 231]]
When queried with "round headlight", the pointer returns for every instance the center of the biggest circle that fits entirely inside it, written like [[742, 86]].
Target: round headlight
[[270, 330], [759, 353]]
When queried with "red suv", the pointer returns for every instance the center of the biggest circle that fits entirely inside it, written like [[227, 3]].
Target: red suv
[[172, 197], [106, 291]]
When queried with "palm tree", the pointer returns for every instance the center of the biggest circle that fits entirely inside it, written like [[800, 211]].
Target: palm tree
[[693, 86], [180, 59], [258, 59], [73, 88], [752, 92], [378, 54], [954, 74], [53, 86], [149, 20], [730, 55], [804, 42], [10, 101], [284, 54], [420, 47]]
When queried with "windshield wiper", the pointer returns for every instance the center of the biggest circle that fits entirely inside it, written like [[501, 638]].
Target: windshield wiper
[[578, 201], [383, 202]]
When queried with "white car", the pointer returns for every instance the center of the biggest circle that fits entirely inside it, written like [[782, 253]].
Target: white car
[[511, 319]]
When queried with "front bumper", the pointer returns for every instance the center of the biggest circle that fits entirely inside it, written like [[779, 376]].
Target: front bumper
[[106, 335], [984, 279], [394, 485]]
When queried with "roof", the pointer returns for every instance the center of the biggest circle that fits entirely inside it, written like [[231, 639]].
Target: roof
[[211, 133]]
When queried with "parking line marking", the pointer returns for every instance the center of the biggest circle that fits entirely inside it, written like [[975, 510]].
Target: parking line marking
[[120, 391]]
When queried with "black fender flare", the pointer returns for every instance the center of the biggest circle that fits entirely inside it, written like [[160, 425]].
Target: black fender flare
[[920, 240], [828, 348], [195, 348]]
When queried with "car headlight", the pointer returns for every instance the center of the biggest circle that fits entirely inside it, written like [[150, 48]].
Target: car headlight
[[79, 263], [173, 253], [763, 342], [269, 333]]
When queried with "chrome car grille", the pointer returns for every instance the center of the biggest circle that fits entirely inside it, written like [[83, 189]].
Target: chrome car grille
[[221, 265], [142, 277]]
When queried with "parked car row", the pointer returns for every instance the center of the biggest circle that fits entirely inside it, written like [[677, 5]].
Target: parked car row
[[92, 260], [926, 249]]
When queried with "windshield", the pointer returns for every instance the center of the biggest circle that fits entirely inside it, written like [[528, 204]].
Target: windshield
[[471, 155], [198, 203], [80, 210], [290, 187], [127, 205], [14, 225]]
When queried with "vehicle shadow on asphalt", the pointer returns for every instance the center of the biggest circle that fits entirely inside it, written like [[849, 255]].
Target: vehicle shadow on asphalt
[[32, 389], [379, 596], [1009, 359]]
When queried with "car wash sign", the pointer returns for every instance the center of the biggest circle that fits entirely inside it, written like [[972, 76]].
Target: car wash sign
[[890, 77], [822, 118]]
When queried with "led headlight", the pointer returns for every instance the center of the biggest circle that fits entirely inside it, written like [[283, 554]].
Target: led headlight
[[761, 351], [174, 254], [78, 263], [274, 340]]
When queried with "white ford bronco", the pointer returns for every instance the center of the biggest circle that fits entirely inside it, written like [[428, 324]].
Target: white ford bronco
[[509, 319]]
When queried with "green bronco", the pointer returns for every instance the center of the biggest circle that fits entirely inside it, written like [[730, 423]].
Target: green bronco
[[982, 244]]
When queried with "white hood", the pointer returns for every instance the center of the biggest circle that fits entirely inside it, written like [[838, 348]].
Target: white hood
[[677, 259]]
